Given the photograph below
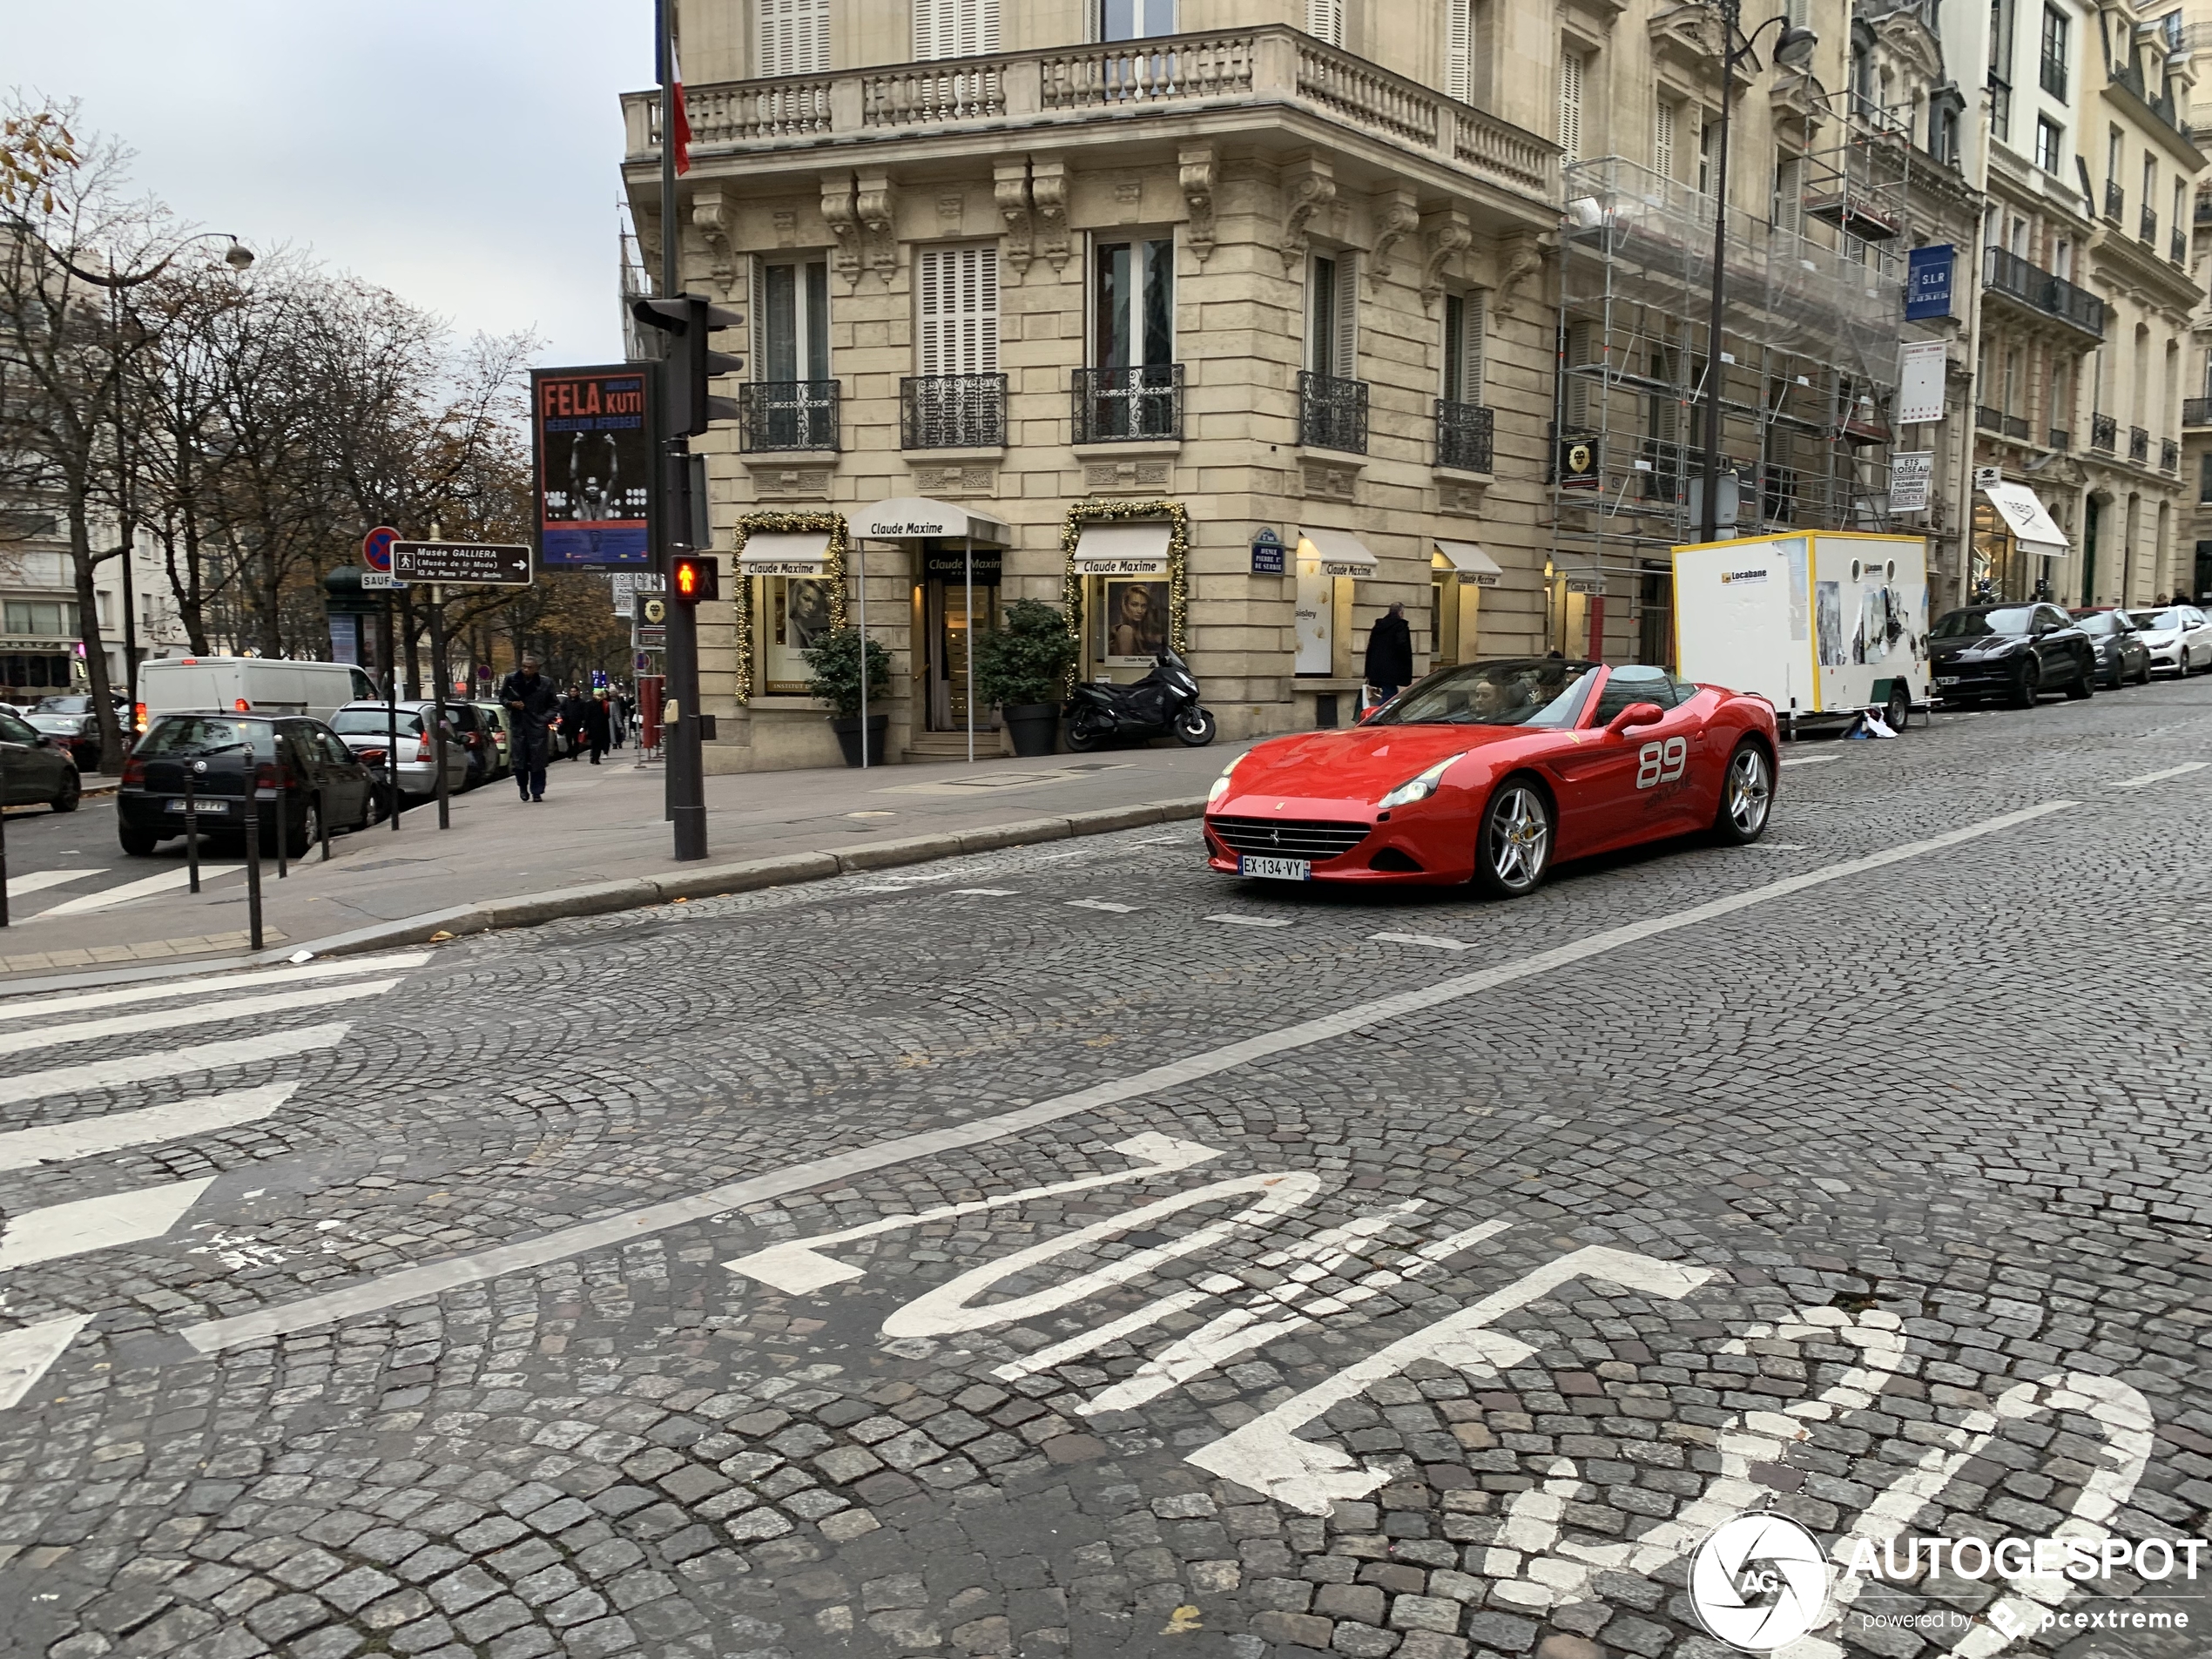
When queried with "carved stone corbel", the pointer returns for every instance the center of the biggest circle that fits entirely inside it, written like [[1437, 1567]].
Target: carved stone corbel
[[1449, 232], [1048, 190], [844, 225], [1010, 189], [1520, 257], [1308, 185], [1398, 215], [872, 202], [711, 216], [1196, 162]]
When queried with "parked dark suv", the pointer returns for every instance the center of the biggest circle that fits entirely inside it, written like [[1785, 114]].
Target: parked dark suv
[[301, 761], [2013, 651]]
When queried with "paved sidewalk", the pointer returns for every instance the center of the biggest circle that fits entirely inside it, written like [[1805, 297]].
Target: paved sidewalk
[[599, 842]]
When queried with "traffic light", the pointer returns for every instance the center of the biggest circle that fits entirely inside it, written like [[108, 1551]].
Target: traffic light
[[689, 363], [694, 576]]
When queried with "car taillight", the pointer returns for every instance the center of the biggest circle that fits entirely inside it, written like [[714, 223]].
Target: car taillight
[[422, 748], [267, 776], [139, 716], [243, 705], [134, 772]]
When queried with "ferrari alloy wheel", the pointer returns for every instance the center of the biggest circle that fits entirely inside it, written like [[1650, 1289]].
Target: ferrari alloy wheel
[[1513, 851], [1747, 795]]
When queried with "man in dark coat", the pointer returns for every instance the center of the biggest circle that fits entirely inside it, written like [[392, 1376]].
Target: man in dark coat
[[1390, 654], [598, 724], [531, 706], [572, 721]]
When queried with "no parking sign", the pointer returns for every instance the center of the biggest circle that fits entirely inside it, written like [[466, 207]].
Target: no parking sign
[[376, 547]]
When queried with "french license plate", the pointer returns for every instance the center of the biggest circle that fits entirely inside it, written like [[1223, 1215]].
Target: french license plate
[[1947, 680], [200, 807], [1276, 869]]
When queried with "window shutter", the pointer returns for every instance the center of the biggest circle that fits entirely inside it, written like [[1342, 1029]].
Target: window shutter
[[1663, 139], [1459, 80], [1475, 318], [1788, 194], [1325, 20], [1346, 345], [955, 28], [757, 318], [794, 35], [1575, 413], [957, 300], [1571, 64]]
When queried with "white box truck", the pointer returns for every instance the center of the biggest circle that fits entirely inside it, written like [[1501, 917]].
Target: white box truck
[[1824, 624], [248, 684]]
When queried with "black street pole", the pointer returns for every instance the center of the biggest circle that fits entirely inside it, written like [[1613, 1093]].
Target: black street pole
[[391, 713], [1708, 509], [686, 794], [438, 693]]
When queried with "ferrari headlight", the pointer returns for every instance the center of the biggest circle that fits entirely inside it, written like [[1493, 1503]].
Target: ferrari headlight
[[1221, 784], [1418, 788]]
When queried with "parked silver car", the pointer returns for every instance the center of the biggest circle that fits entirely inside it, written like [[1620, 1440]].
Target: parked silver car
[[2179, 637], [365, 728]]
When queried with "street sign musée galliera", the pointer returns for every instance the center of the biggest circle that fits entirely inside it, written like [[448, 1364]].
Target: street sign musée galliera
[[463, 563]]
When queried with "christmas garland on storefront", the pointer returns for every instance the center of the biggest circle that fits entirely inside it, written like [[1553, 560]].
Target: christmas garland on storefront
[[1093, 512], [833, 573]]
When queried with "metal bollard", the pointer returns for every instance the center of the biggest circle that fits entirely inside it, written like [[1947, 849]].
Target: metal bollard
[[281, 838], [254, 872], [192, 833]]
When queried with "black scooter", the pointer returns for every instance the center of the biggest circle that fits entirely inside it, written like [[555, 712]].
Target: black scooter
[[1163, 703]]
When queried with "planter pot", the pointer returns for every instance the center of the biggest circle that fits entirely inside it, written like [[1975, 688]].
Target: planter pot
[[1034, 727], [847, 728]]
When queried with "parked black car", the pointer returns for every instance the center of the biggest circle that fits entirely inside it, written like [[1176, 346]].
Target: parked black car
[[2012, 651], [2121, 655], [68, 717], [37, 767], [302, 760]]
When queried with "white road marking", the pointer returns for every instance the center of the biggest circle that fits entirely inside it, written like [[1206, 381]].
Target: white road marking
[[1102, 904], [166, 1062], [416, 1283], [984, 892], [22, 887], [1265, 1453], [107, 899], [84, 1225], [26, 1354], [179, 1119], [1251, 922], [1433, 942], [1774, 846], [2160, 777], [1807, 760], [799, 1267], [1113, 1330], [333, 968], [240, 1007]]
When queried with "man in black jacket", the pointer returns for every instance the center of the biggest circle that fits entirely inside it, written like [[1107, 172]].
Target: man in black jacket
[[1390, 654], [531, 705]]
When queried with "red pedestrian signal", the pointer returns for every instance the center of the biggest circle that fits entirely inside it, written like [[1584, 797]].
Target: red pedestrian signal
[[694, 576]]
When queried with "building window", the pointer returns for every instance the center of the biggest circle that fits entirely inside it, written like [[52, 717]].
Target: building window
[[2204, 476], [1332, 305], [790, 322], [793, 37], [1133, 291], [1133, 19], [2056, 52], [2150, 181], [1664, 117], [40, 618], [957, 296], [1574, 68], [1463, 330], [1466, 54], [1707, 148], [955, 28], [1325, 20], [1787, 208], [2050, 139]]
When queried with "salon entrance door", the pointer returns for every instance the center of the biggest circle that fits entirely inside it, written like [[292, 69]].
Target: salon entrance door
[[948, 630]]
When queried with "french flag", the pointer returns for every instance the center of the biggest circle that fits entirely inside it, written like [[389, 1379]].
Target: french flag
[[681, 127]]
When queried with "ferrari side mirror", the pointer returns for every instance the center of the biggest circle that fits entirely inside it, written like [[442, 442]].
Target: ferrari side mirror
[[1635, 715]]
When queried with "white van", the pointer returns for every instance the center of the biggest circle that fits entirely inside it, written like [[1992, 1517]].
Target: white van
[[248, 684]]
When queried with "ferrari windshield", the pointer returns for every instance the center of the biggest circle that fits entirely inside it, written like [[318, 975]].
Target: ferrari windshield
[[1535, 690]]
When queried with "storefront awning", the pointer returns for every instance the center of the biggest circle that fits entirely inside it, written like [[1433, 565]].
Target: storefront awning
[[2030, 521], [1339, 552], [1476, 568], [1122, 550], [913, 518], [784, 553]]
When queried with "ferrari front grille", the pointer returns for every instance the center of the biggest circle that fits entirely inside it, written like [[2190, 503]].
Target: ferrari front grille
[[1315, 839]]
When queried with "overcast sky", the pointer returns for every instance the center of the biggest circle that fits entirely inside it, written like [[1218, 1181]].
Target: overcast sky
[[460, 152]]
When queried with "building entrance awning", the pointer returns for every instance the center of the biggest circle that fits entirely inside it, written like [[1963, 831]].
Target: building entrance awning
[[784, 553], [2030, 521], [1122, 550], [1339, 552], [914, 518], [1476, 568]]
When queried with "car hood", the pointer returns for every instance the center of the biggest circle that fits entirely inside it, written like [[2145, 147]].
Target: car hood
[[1360, 763], [1974, 645]]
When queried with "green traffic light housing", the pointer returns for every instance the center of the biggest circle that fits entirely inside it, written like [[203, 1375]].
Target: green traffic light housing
[[690, 362]]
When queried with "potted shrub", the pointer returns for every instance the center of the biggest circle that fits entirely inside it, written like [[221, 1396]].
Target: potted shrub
[[835, 665], [1024, 667]]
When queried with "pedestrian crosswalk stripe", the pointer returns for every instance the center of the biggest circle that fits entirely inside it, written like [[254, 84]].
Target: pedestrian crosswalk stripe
[[1251, 922], [240, 1007], [26, 1354], [1433, 941], [178, 1120], [167, 1062], [84, 1225], [107, 898], [2161, 776], [22, 887], [1102, 904], [78, 1002]]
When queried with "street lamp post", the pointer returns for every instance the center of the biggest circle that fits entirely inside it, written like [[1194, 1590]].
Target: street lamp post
[[1794, 47]]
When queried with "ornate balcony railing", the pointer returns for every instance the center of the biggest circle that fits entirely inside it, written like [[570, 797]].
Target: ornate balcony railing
[[2006, 273], [2147, 230], [1122, 405], [1990, 420], [2139, 446], [2169, 456], [2104, 433], [2016, 427], [1331, 413], [2115, 200], [2059, 438], [1262, 68], [2197, 411], [951, 411], [787, 414], [1464, 432]]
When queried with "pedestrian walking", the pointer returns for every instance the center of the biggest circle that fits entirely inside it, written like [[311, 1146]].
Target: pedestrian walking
[[573, 714], [528, 697], [598, 726], [1390, 654]]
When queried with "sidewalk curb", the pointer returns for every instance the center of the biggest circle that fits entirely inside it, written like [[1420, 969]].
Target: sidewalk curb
[[747, 875]]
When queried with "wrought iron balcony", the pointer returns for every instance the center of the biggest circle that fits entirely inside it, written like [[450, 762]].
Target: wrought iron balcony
[[2059, 438], [1123, 405], [2147, 231], [2016, 427], [1463, 435], [2169, 456], [2139, 446], [787, 414], [2115, 200], [2197, 411], [1331, 413], [2005, 272], [2104, 433], [951, 411], [1988, 419]]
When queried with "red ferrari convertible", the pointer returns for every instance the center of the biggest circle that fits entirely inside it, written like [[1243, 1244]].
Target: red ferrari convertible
[[1493, 771]]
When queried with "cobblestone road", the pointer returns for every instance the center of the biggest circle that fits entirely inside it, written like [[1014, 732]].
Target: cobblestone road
[[1063, 1252]]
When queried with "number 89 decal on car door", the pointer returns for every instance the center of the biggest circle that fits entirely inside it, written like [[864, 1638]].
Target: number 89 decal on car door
[[1662, 763]]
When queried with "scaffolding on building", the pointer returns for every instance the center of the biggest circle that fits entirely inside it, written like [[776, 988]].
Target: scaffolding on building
[[1808, 358]]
